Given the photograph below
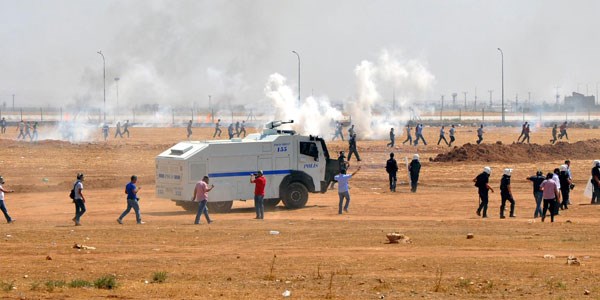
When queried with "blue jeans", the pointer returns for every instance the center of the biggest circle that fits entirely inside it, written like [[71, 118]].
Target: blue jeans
[[202, 209], [343, 195], [79, 209], [538, 204], [259, 206], [3, 208], [132, 203]]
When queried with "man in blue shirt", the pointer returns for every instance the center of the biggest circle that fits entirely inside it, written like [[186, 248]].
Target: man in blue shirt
[[343, 190], [132, 201]]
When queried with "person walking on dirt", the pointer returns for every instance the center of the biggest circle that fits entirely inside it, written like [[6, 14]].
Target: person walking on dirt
[[537, 193], [391, 167], [563, 131], [408, 135], [217, 128], [392, 139], [443, 136], [78, 199], [132, 201], [343, 190], [2, 205], [242, 129], [550, 195], [419, 134], [522, 131], [338, 131], [414, 168], [554, 131], [452, 133], [342, 165], [482, 183], [565, 183], [105, 131], [34, 135], [259, 193], [3, 125], [480, 134], [237, 128], [189, 129], [126, 128], [20, 128], [506, 194], [526, 132], [118, 130], [351, 131], [353, 148], [230, 130], [27, 131], [201, 196], [556, 179], [596, 182]]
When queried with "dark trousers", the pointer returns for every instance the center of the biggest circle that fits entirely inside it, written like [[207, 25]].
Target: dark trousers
[[565, 198], [595, 194], [483, 204], [202, 210], [79, 209], [391, 143], [480, 139], [217, 130], [420, 137], [538, 204], [408, 139], [452, 139], [549, 204], [353, 150], [509, 198], [442, 138], [4, 211], [259, 206], [414, 182], [525, 137], [392, 177]]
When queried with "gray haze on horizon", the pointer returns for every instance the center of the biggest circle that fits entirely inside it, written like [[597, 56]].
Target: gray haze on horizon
[[179, 52]]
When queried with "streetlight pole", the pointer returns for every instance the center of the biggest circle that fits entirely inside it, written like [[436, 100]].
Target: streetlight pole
[[298, 55], [502, 55], [117, 82], [104, 81]]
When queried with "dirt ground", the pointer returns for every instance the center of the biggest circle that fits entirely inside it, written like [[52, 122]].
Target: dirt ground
[[317, 254]]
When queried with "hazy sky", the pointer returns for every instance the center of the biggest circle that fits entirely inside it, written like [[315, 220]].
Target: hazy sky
[[182, 51]]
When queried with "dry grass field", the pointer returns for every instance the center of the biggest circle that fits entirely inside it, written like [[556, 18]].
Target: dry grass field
[[317, 254]]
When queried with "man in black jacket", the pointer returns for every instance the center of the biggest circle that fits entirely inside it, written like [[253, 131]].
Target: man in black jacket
[[414, 168], [391, 167], [482, 183]]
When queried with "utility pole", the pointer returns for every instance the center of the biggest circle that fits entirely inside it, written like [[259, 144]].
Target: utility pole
[[490, 91], [13, 102], [465, 100], [557, 95]]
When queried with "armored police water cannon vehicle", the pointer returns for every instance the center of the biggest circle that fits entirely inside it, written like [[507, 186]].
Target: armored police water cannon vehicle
[[293, 165]]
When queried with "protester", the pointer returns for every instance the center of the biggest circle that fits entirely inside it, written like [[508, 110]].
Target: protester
[[392, 139], [2, 204], [537, 193], [189, 129], [554, 131], [259, 193], [408, 135], [442, 137], [201, 196], [78, 199], [343, 190], [452, 133], [480, 134], [550, 195], [217, 128], [391, 167], [132, 201]]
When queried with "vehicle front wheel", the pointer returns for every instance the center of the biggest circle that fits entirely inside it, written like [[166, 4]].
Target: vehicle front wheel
[[295, 195]]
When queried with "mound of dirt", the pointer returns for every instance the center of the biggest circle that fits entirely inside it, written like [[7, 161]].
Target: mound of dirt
[[521, 152]]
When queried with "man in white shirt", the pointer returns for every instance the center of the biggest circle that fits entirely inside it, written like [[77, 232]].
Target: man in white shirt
[[343, 190], [2, 205]]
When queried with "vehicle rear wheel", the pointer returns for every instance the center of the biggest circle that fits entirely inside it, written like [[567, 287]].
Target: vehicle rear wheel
[[219, 207], [271, 203], [187, 205], [295, 195]]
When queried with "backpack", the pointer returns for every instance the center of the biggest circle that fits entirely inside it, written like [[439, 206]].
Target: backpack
[[72, 193]]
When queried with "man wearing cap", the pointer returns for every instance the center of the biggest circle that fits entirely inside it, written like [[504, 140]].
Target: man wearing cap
[[506, 194], [391, 167], [343, 190], [482, 183], [201, 195], [414, 168], [537, 193], [132, 201], [259, 193], [79, 199], [2, 205]]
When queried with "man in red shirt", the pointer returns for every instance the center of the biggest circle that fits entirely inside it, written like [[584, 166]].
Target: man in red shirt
[[259, 193]]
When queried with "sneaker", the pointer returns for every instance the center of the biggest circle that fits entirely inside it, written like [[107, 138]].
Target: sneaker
[[478, 213], [77, 224], [11, 221], [345, 209], [141, 222], [513, 216], [120, 221], [502, 217]]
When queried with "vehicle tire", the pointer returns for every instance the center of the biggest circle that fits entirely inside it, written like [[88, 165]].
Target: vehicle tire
[[295, 195], [187, 205], [271, 203], [219, 207]]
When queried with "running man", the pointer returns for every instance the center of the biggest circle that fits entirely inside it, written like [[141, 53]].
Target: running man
[[242, 129], [392, 138], [189, 129], [443, 136], [2, 205], [408, 135], [217, 128], [452, 132], [132, 201], [118, 130], [126, 128], [480, 134], [554, 132]]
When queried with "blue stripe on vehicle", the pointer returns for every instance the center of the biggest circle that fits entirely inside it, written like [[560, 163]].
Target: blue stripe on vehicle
[[247, 173]]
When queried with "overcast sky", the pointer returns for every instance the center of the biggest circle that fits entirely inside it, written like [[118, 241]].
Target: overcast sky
[[182, 51]]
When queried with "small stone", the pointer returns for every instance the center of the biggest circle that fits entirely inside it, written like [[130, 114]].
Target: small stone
[[25, 276], [586, 292], [48, 257], [470, 236]]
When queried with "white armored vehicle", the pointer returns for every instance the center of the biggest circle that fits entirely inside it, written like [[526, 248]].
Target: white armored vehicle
[[292, 164]]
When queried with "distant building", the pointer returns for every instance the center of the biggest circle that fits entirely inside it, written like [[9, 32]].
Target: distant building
[[579, 102]]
